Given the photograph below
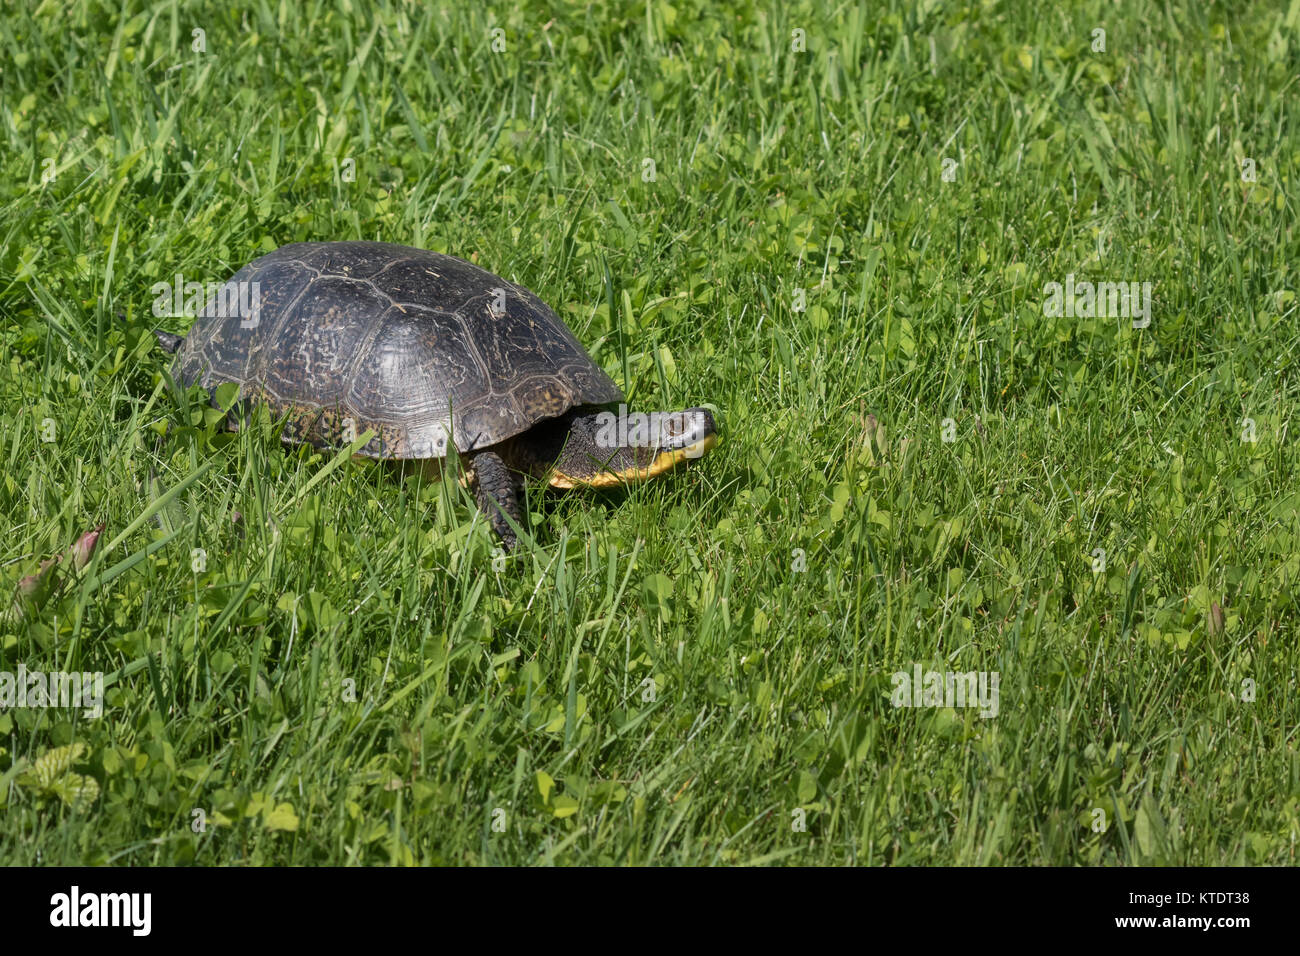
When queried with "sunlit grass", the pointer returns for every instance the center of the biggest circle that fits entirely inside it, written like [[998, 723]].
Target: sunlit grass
[[699, 670]]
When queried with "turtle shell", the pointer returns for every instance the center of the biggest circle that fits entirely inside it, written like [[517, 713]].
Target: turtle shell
[[347, 336]]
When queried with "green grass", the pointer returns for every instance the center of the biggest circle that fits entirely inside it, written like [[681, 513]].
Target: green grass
[[770, 591]]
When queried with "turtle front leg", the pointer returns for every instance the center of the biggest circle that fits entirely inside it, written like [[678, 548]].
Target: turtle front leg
[[499, 492]]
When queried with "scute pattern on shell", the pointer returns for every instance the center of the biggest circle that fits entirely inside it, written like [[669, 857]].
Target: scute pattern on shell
[[404, 341]]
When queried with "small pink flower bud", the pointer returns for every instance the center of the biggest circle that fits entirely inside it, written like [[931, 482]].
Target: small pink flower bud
[[81, 552]]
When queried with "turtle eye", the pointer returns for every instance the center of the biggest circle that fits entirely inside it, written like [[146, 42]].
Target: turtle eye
[[676, 425]]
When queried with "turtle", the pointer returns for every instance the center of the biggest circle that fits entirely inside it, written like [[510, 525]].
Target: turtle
[[435, 356]]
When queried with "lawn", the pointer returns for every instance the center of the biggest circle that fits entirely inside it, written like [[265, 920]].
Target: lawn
[[860, 233]]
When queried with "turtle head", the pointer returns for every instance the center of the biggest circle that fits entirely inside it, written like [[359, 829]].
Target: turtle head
[[604, 449]]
